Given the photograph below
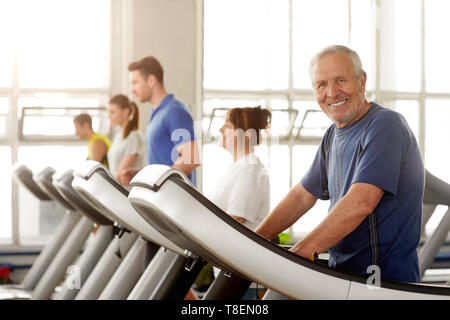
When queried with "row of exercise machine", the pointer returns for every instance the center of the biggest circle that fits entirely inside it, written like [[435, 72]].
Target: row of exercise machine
[[152, 242]]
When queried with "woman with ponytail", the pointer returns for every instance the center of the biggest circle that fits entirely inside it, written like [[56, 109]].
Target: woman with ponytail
[[244, 190], [128, 147]]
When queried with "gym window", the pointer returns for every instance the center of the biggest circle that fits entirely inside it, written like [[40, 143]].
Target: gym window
[[257, 53], [55, 61]]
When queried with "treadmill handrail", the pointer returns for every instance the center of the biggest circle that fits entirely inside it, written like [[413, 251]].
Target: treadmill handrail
[[155, 175], [23, 175], [76, 200], [89, 167], [44, 179], [82, 184], [436, 190]]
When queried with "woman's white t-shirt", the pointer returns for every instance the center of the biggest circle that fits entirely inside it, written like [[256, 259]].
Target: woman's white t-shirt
[[244, 190], [132, 144]]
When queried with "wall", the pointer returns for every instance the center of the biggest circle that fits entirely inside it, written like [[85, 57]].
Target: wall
[[166, 29]]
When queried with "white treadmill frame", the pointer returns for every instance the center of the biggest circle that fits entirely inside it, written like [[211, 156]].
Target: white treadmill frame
[[120, 211], [219, 239]]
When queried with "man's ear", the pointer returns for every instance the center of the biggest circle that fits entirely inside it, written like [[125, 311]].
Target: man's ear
[[151, 80], [87, 126], [363, 80]]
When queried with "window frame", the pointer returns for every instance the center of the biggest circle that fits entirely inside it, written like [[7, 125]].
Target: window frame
[[13, 138], [376, 94]]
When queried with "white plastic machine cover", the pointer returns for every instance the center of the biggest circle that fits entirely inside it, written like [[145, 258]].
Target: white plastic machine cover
[[94, 182], [164, 199]]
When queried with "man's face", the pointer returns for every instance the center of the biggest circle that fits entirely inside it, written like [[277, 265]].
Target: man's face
[[81, 130], [140, 86], [338, 91]]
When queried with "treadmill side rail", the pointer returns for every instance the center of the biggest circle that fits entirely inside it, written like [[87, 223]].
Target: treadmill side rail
[[155, 175]]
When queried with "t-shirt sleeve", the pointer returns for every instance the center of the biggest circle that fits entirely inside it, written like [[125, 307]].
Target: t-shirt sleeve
[[315, 181], [380, 157], [181, 126]]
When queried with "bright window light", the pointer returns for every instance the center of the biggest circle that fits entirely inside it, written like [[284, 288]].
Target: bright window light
[[60, 158], [362, 36], [5, 193], [7, 43], [63, 44], [37, 219], [409, 109], [316, 24], [437, 63], [437, 113], [387, 35], [4, 107], [302, 157], [210, 104], [57, 121], [246, 44], [400, 45], [435, 219], [54, 54], [278, 166]]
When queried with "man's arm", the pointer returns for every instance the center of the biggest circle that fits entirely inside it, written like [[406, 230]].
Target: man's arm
[[296, 203], [98, 150], [187, 162], [189, 157], [360, 201]]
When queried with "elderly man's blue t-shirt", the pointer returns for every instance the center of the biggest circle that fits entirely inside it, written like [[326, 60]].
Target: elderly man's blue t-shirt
[[170, 125], [381, 150]]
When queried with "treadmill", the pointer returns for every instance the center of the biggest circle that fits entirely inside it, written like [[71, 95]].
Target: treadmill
[[437, 192], [168, 275], [125, 260], [208, 232], [40, 185], [70, 250]]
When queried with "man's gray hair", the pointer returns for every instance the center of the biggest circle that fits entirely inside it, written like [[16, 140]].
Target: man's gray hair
[[354, 57]]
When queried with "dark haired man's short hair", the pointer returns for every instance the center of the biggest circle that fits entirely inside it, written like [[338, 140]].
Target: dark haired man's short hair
[[147, 66], [83, 118]]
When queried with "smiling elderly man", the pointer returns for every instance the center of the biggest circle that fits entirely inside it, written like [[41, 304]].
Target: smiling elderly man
[[370, 168]]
